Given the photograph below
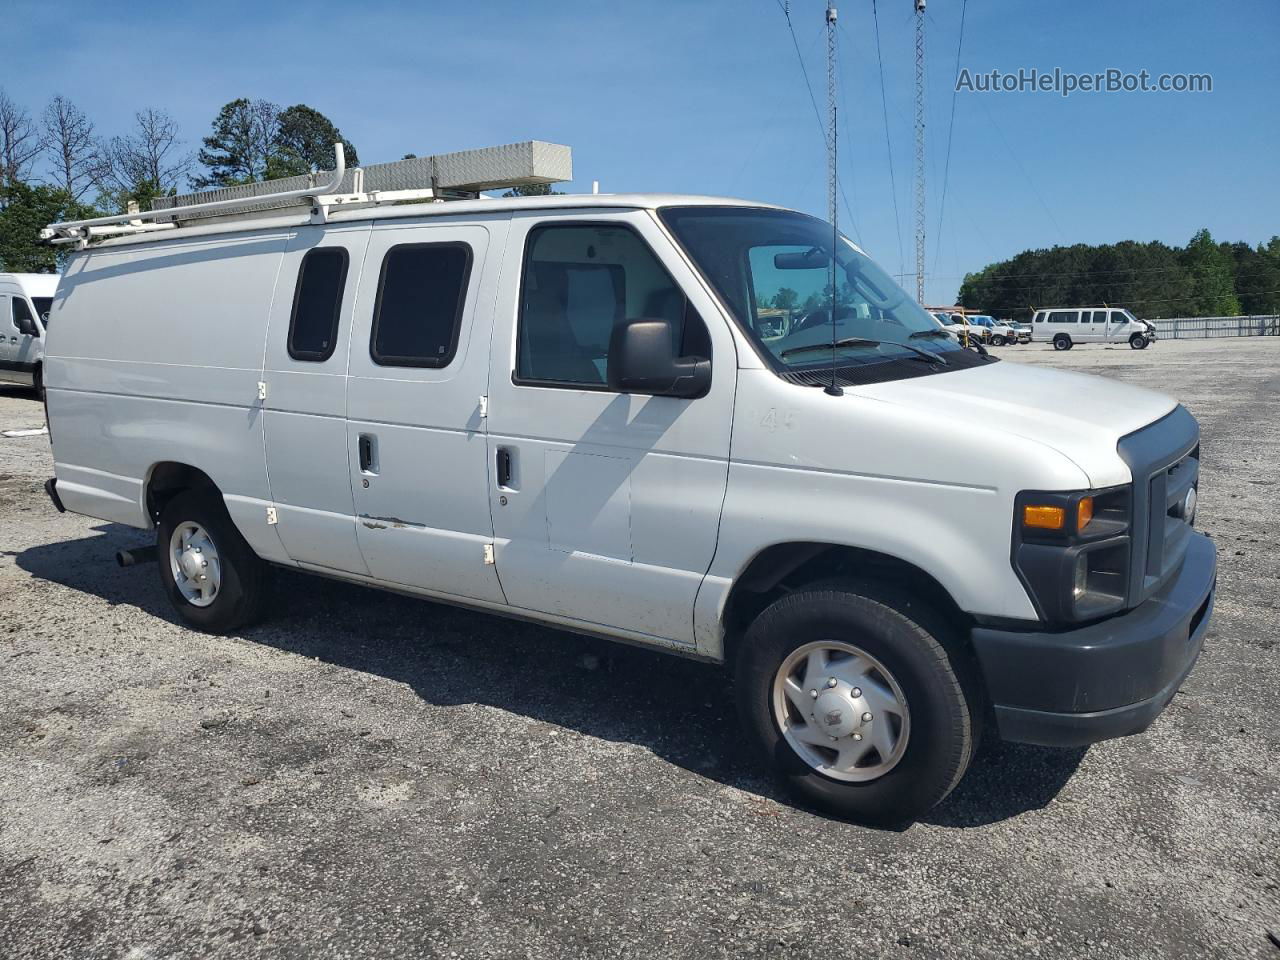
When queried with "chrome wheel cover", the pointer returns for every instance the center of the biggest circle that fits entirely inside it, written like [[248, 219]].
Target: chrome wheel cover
[[194, 563], [841, 710]]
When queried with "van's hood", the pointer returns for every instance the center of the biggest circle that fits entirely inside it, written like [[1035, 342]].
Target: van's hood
[[1081, 416]]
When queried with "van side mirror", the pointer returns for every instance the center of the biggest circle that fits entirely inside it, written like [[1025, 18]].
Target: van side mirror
[[642, 359], [26, 326]]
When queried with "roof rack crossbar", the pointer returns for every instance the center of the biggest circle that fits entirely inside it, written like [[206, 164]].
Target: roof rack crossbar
[[82, 229]]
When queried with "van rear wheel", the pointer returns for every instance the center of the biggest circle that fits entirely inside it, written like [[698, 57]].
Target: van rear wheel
[[1062, 342], [855, 703], [211, 575]]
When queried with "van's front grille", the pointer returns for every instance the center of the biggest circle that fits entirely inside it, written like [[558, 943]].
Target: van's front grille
[[1165, 460]]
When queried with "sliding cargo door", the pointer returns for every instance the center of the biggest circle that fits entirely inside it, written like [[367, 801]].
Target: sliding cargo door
[[415, 430]]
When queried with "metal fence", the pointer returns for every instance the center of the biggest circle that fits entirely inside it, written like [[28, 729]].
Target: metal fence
[[1199, 328]]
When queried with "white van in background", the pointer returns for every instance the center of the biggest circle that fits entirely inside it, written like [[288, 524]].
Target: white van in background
[[583, 410], [1064, 327], [25, 299]]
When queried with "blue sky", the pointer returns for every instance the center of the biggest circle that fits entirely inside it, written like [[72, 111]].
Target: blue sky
[[707, 97]]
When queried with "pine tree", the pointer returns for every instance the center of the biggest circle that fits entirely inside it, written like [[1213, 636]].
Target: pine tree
[[304, 142]]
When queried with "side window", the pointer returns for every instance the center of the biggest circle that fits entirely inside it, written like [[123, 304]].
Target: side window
[[22, 312], [579, 281], [1099, 316], [1063, 316], [418, 312], [317, 301]]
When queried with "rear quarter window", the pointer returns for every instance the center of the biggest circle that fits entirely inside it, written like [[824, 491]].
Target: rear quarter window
[[317, 303]]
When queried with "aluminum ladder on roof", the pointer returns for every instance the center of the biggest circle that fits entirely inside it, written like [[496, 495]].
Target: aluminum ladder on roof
[[448, 176]]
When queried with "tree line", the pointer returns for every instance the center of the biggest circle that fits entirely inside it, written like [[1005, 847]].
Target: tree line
[[1202, 279], [56, 166]]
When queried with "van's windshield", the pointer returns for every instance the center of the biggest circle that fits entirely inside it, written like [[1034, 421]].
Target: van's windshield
[[772, 269]]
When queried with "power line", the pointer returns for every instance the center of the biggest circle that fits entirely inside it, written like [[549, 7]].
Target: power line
[[1021, 169], [817, 114], [888, 145], [951, 124], [784, 6]]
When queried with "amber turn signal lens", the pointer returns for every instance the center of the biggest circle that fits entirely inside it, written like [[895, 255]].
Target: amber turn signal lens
[[1084, 513], [1044, 518]]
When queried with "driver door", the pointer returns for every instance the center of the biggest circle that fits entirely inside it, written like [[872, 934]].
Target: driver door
[[606, 506]]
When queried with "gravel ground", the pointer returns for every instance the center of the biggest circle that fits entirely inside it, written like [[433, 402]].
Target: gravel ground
[[372, 776]]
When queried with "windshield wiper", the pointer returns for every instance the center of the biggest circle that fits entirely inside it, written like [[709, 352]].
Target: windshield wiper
[[846, 342], [862, 342], [921, 334]]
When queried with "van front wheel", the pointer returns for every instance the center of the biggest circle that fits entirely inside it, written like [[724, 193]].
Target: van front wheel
[[855, 703], [1138, 342], [211, 575], [1062, 342]]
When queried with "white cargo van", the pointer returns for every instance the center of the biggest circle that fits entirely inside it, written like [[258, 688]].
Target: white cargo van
[[1064, 327], [24, 313], [577, 409]]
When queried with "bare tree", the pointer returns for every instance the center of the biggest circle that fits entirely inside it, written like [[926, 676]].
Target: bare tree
[[151, 156], [70, 146], [20, 141]]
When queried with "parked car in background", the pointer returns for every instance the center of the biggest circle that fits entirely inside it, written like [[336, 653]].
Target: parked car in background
[[1004, 333], [1064, 327], [958, 326], [25, 299], [568, 409], [944, 321], [984, 325], [1023, 330]]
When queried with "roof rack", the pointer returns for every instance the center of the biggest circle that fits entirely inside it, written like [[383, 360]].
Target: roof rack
[[450, 176]]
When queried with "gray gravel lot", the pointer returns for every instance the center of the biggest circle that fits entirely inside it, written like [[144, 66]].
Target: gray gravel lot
[[367, 775]]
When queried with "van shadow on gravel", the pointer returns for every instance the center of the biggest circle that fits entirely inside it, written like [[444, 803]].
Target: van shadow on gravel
[[681, 710]]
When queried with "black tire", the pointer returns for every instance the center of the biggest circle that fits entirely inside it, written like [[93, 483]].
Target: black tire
[[1062, 342], [1138, 342], [245, 586], [888, 625], [37, 381], [997, 341]]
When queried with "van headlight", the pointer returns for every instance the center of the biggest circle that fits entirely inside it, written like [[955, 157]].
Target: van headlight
[[1071, 551]]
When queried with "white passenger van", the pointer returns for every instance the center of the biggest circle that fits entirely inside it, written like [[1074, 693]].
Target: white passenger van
[[24, 312], [1064, 327], [578, 410]]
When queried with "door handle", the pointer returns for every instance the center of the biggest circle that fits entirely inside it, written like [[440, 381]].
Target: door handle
[[365, 445], [504, 467]]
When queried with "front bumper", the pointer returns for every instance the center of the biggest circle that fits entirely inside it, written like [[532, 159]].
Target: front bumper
[[1108, 679]]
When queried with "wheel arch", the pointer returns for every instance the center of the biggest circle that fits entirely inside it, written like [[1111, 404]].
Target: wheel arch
[[783, 568], [168, 478]]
